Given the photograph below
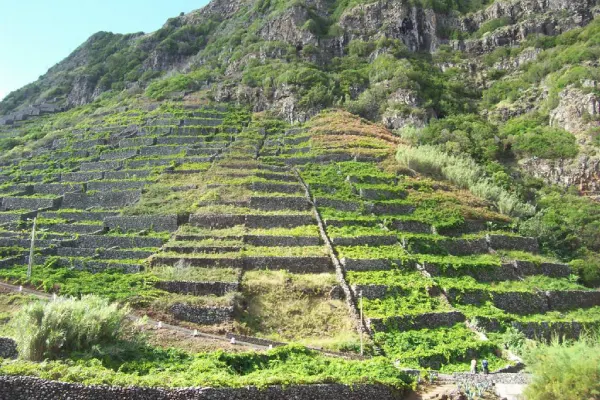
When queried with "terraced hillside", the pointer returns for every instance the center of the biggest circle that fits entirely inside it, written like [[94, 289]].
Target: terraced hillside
[[228, 222]]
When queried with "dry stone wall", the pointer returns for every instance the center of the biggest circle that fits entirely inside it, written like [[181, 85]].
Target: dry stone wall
[[27, 388]]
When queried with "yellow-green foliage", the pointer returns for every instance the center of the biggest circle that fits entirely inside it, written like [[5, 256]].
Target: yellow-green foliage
[[565, 371], [47, 330]]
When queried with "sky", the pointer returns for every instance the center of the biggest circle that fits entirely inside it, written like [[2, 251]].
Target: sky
[[36, 34]]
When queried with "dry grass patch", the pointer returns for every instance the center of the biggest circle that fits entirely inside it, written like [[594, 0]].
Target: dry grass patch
[[287, 307]]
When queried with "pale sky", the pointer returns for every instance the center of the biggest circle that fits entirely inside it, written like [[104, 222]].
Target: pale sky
[[37, 34]]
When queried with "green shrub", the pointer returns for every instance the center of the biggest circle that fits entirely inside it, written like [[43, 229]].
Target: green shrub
[[565, 224], [547, 142], [564, 371], [491, 26], [49, 330], [465, 173]]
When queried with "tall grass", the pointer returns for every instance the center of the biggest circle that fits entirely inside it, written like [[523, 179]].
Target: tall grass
[[565, 370], [466, 174], [49, 330]]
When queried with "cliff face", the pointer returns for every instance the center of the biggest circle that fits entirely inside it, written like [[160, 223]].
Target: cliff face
[[182, 42], [390, 61]]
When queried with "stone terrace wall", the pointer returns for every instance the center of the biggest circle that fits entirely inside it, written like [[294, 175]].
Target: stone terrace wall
[[8, 348], [27, 388]]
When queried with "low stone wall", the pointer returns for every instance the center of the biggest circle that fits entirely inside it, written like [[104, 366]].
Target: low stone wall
[[138, 141], [151, 162], [101, 166], [572, 299], [202, 315], [116, 199], [527, 268], [278, 221], [102, 254], [79, 216], [124, 242], [8, 348], [198, 288], [128, 174], [411, 226], [340, 205], [120, 154], [57, 188], [502, 242], [138, 223], [504, 272], [539, 330], [277, 187], [392, 209], [494, 378], [81, 176], [549, 330], [277, 177], [282, 241], [28, 388], [204, 262], [74, 228], [20, 203], [420, 321], [376, 264], [381, 194], [371, 240], [216, 221], [512, 302], [455, 247], [107, 186], [279, 203], [371, 291], [307, 265]]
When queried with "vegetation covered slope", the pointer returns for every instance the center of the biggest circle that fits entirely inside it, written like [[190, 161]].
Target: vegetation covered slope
[[223, 198]]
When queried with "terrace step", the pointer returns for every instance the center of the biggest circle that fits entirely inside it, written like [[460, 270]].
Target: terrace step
[[114, 199], [518, 243], [30, 203], [57, 188], [128, 174], [81, 176], [78, 216], [340, 205], [156, 223], [414, 322], [365, 240], [279, 203], [124, 242], [254, 221], [96, 266], [198, 288], [183, 249], [282, 241], [202, 315], [103, 254], [380, 264], [389, 209], [74, 228], [205, 262], [277, 187], [107, 186], [381, 194]]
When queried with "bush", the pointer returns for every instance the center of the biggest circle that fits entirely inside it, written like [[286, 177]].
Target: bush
[[565, 371], [467, 134], [464, 173], [49, 330], [547, 142], [565, 224]]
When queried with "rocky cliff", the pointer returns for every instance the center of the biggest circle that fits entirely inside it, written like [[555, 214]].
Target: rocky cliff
[[395, 61]]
